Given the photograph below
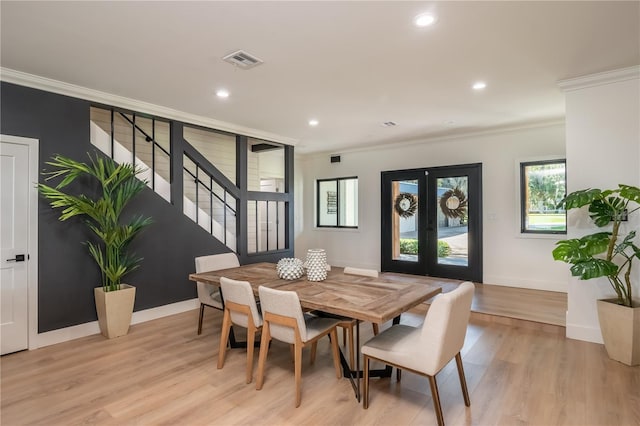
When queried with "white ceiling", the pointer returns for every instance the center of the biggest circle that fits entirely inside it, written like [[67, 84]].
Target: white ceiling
[[351, 65]]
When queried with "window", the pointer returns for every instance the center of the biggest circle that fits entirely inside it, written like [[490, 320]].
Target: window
[[265, 166], [542, 186], [337, 203]]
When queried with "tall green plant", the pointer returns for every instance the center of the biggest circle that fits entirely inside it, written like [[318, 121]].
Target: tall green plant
[[102, 214], [603, 254]]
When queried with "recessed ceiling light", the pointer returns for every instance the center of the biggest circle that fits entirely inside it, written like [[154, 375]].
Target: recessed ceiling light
[[313, 122], [479, 85], [222, 93], [424, 20]]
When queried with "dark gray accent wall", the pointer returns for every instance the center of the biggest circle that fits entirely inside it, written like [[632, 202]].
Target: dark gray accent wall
[[67, 275]]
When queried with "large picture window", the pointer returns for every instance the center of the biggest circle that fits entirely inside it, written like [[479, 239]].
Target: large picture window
[[337, 203], [542, 186]]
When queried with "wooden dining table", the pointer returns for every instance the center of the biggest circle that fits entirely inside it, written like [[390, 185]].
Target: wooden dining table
[[376, 300]]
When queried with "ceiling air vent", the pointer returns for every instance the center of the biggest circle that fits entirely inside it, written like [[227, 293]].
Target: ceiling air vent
[[242, 59]]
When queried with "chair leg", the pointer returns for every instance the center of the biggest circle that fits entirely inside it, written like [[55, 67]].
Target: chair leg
[[365, 392], [224, 337], [314, 349], [398, 374], [344, 336], [463, 380], [436, 400], [336, 352], [298, 373], [376, 328], [251, 337], [201, 317], [262, 358]]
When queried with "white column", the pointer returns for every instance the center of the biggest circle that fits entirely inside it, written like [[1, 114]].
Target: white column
[[603, 150]]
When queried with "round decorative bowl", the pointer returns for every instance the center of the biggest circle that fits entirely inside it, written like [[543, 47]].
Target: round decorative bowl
[[290, 268]]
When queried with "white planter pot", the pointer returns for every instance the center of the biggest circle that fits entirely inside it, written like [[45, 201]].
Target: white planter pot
[[115, 309], [620, 327]]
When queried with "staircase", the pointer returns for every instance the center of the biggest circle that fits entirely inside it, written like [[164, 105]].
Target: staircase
[[206, 201]]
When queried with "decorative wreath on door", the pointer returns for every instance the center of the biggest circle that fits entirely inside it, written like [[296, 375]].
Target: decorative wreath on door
[[453, 203], [405, 204]]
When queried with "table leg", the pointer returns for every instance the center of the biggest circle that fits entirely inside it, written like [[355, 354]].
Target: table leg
[[234, 344], [354, 376]]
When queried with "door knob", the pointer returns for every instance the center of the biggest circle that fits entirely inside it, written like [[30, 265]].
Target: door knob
[[18, 258]]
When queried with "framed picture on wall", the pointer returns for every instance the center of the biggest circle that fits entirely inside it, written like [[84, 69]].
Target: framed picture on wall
[[332, 202]]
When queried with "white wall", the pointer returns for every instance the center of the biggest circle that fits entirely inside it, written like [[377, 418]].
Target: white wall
[[509, 259], [603, 150]]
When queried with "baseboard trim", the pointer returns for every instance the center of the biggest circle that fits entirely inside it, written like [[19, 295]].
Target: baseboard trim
[[557, 286], [87, 329], [587, 334]]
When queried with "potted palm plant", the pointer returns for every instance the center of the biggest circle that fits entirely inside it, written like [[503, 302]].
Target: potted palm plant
[[609, 254], [103, 216]]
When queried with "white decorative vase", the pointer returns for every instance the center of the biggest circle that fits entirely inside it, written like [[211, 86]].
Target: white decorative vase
[[290, 268], [316, 265]]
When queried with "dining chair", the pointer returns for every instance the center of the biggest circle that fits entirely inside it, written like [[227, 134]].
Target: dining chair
[[428, 349], [240, 309], [285, 321], [347, 324], [207, 294]]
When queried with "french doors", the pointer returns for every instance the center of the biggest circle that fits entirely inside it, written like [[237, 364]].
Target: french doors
[[432, 221]]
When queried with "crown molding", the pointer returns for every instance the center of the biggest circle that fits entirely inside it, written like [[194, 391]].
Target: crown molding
[[42, 83], [600, 78], [442, 138]]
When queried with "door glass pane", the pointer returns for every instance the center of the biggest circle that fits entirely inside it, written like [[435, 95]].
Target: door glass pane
[[404, 220], [453, 219]]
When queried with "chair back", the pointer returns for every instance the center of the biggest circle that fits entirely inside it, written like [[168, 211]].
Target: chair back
[[240, 292], [445, 327], [213, 262], [286, 304], [359, 271]]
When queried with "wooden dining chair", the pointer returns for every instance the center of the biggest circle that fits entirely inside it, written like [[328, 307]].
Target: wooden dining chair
[[285, 321], [209, 295], [347, 324], [240, 309], [428, 349]]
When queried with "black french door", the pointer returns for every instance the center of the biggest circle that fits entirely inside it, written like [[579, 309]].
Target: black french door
[[432, 221]]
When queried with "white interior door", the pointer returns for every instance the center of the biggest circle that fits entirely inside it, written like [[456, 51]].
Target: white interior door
[[14, 237]]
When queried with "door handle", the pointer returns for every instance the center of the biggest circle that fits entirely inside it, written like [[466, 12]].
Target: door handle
[[18, 258]]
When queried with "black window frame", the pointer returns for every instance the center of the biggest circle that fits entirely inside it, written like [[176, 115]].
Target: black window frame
[[337, 181], [523, 190]]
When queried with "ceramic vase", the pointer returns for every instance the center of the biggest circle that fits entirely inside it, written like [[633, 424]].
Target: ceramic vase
[[290, 268], [316, 265]]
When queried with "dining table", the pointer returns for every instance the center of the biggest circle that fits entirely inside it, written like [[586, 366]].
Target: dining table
[[373, 299]]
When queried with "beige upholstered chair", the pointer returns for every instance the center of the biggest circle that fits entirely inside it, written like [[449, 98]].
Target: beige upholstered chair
[[285, 321], [347, 324], [428, 349], [240, 308], [207, 294]]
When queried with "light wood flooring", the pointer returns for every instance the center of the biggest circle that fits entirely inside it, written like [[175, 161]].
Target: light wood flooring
[[545, 307], [163, 373]]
